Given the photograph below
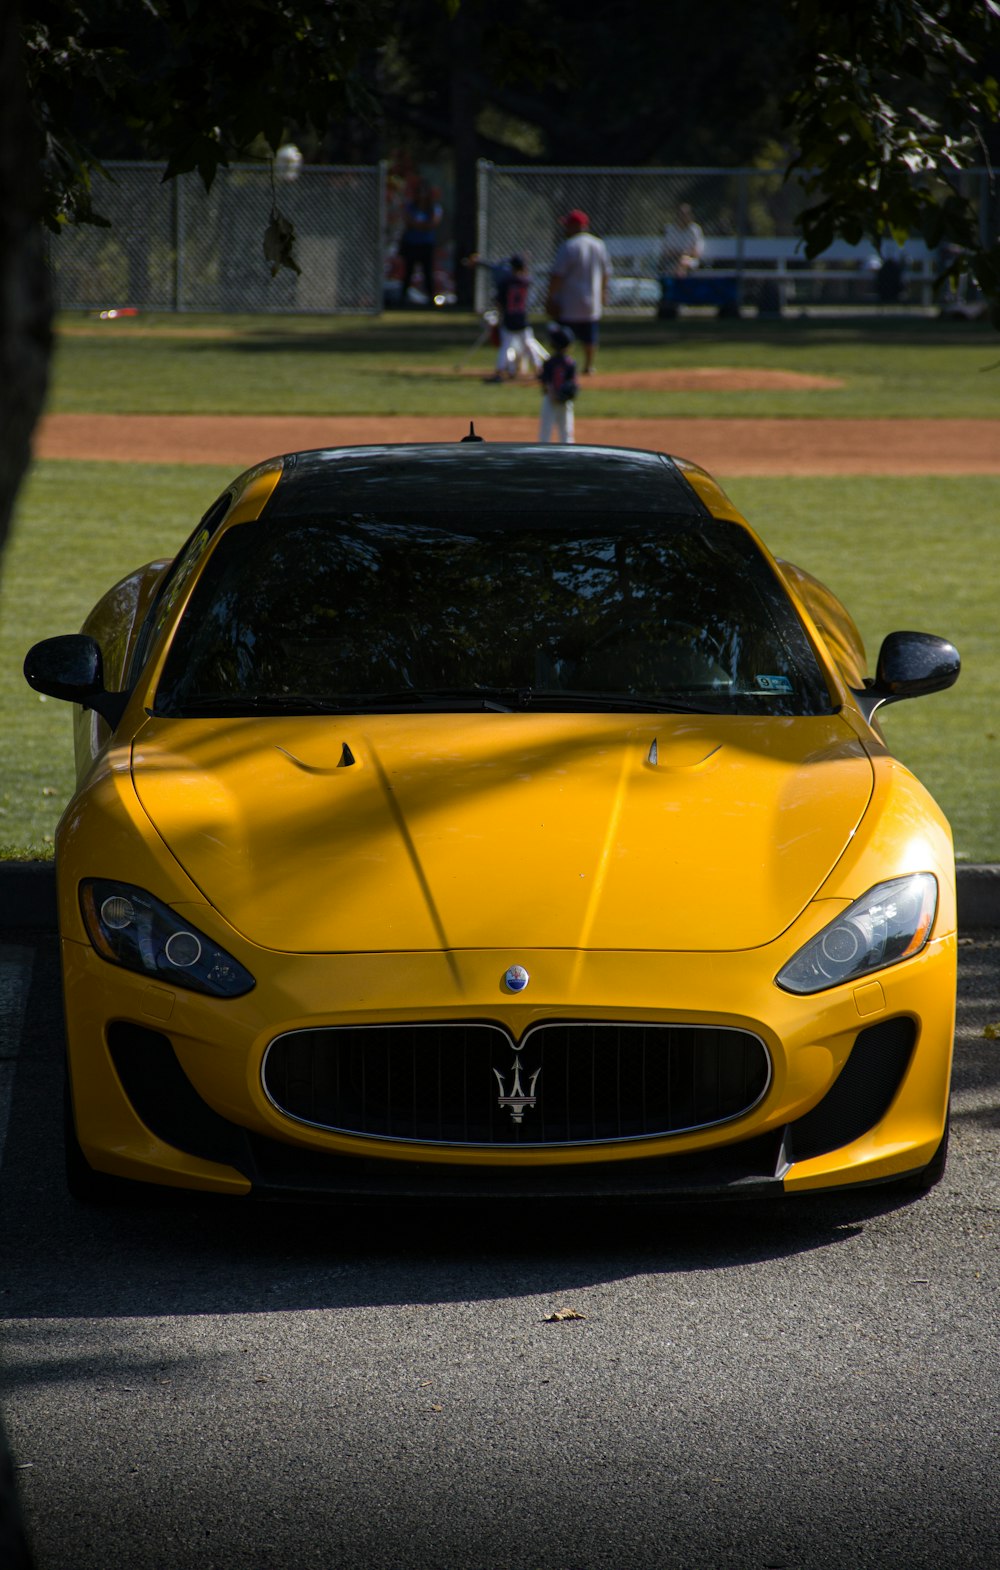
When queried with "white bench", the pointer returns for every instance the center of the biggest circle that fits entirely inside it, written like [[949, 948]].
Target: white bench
[[779, 260], [783, 260]]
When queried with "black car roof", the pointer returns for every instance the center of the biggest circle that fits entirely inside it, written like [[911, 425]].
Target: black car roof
[[481, 477]]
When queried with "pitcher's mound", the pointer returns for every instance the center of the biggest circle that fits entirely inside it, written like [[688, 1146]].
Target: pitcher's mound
[[716, 378], [704, 378]]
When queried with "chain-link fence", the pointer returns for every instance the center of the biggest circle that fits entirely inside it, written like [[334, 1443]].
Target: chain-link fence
[[747, 215], [172, 246]]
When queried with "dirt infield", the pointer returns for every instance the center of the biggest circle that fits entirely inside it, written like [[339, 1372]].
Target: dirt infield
[[725, 446]]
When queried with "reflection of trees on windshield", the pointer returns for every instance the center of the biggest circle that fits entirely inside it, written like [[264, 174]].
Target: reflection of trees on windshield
[[370, 605]]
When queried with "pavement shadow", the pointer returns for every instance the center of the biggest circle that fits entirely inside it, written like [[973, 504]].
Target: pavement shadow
[[164, 1253]]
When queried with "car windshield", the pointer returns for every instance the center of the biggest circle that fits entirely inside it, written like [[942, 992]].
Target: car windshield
[[385, 612]]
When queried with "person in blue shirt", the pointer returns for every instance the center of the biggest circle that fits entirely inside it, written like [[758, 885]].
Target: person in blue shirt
[[423, 214]]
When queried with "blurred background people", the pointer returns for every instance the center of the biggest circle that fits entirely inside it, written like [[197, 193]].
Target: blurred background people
[[578, 286], [422, 217], [683, 244]]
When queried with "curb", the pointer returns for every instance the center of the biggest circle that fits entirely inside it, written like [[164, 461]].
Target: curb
[[28, 896], [978, 897]]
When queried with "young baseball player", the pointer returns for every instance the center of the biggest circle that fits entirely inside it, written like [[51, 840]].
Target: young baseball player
[[518, 344], [558, 379]]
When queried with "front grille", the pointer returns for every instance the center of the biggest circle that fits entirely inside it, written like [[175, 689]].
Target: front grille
[[467, 1084]]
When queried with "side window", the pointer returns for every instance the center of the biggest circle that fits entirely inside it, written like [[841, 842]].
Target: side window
[[176, 582]]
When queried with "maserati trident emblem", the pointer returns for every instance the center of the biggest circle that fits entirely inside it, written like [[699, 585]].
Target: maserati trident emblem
[[517, 1100], [516, 978]]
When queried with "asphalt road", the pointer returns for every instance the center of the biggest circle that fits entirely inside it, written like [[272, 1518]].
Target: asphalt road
[[813, 1387]]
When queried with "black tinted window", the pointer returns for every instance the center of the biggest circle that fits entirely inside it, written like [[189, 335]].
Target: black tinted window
[[176, 579], [340, 611]]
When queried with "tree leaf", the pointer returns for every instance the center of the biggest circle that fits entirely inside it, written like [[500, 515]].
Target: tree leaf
[[279, 240]]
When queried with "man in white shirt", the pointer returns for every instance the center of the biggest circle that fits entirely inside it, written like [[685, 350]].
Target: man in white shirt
[[683, 244], [578, 286]]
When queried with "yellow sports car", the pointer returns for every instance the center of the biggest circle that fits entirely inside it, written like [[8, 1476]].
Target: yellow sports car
[[489, 819]]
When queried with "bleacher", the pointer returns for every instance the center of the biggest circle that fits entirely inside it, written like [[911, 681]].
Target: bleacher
[[773, 271]]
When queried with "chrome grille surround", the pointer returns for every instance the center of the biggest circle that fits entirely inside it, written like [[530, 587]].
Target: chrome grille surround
[[443, 1083]]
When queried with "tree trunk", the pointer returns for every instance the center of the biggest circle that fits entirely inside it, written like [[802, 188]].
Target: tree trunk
[[25, 305], [466, 52]]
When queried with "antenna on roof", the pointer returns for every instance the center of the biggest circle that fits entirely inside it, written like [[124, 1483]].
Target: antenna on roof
[[472, 437]]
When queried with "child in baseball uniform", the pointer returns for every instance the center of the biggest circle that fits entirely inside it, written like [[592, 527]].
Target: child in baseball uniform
[[518, 344], [558, 379]]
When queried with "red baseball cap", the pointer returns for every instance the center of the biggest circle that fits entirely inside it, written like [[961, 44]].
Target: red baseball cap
[[577, 216]]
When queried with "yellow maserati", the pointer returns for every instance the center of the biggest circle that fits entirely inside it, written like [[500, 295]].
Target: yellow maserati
[[486, 820]]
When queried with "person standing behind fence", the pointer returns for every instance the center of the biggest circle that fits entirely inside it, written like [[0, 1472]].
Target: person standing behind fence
[[512, 285], [683, 244], [423, 213], [558, 379], [578, 286]]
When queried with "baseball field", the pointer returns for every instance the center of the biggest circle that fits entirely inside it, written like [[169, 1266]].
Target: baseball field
[[866, 451]]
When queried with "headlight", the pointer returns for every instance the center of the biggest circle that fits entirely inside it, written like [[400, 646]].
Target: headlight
[[891, 922], [129, 927]]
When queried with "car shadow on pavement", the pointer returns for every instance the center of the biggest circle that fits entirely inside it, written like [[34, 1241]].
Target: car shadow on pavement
[[165, 1253]]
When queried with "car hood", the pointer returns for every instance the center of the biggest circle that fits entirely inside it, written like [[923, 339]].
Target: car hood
[[513, 831]]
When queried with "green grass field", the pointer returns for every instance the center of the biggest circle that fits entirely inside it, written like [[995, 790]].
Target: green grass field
[[901, 552], [404, 363]]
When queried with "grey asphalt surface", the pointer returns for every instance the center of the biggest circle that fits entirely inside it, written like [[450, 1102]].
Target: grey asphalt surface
[[811, 1387]]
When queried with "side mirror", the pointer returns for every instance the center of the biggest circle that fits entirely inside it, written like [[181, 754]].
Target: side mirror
[[910, 664], [71, 667]]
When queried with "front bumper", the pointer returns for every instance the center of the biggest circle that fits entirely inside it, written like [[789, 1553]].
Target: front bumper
[[167, 1084]]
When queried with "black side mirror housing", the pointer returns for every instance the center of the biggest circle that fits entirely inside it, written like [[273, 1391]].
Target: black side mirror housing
[[910, 664], [71, 667]]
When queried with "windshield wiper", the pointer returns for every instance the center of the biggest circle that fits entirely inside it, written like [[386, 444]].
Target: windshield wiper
[[506, 700], [460, 698], [204, 705], [658, 703], [497, 700]]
